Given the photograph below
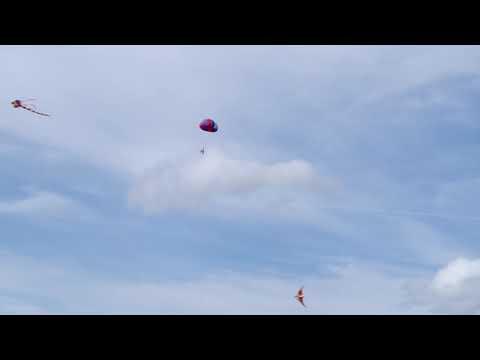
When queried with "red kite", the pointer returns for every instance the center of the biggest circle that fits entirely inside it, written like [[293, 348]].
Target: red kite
[[300, 296], [22, 104]]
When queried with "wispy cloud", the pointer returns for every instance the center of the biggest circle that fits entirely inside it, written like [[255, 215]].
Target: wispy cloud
[[178, 85], [366, 151], [44, 204], [28, 284]]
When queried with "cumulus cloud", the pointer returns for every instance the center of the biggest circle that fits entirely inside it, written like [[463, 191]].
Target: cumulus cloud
[[456, 275], [454, 288], [218, 180]]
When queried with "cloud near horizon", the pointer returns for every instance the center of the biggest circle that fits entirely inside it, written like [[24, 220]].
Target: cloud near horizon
[[453, 288], [30, 285]]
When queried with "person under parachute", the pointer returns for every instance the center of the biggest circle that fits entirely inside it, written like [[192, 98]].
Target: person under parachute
[[27, 106], [207, 125]]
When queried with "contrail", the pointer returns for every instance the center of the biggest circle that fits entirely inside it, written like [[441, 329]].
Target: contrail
[[404, 212]]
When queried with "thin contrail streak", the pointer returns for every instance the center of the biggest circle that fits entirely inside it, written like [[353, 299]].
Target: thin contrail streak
[[404, 212]]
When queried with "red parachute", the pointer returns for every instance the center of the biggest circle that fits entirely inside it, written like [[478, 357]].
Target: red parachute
[[24, 105], [209, 125]]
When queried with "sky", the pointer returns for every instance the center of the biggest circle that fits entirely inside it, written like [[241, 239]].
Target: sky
[[350, 170]]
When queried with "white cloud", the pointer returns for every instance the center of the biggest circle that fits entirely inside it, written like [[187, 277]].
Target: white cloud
[[39, 203], [215, 179], [118, 106], [454, 277], [127, 108], [454, 289], [44, 204]]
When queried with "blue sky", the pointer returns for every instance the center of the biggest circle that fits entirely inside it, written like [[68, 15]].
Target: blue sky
[[351, 170]]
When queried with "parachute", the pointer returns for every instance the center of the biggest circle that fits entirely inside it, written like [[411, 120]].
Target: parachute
[[209, 125]]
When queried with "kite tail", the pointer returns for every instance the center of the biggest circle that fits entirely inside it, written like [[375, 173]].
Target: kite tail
[[36, 112]]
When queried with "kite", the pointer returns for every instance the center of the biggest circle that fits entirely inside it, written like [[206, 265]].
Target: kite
[[300, 296], [24, 105]]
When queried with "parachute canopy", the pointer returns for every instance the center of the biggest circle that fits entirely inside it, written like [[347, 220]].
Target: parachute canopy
[[209, 125]]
